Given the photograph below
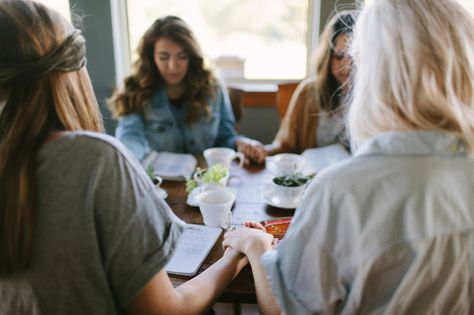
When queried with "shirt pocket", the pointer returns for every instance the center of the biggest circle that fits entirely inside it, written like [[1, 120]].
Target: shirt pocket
[[161, 134], [159, 126]]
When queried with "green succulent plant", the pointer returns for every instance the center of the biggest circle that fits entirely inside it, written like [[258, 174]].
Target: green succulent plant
[[150, 171], [211, 175], [293, 180]]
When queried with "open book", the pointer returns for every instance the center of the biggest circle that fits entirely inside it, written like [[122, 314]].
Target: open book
[[193, 247], [318, 158], [171, 166]]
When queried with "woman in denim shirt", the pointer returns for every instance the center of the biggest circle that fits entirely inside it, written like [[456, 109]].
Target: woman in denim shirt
[[171, 102]]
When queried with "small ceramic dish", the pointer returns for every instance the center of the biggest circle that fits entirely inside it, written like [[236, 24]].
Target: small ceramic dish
[[277, 227]]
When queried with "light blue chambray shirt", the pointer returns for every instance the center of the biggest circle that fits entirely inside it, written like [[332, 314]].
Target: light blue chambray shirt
[[388, 231], [162, 127]]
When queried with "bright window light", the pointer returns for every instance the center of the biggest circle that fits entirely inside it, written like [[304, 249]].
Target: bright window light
[[468, 4], [62, 6], [250, 39]]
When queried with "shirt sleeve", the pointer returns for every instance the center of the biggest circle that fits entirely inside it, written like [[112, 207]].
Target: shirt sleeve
[[136, 229], [303, 275], [291, 127], [131, 132], [226, 134]]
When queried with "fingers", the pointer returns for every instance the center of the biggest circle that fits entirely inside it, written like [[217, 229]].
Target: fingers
[[253, 152], [255, 225]]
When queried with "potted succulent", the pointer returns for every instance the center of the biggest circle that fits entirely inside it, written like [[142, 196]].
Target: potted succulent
[[290, 187], [215, 175], [150, 171]]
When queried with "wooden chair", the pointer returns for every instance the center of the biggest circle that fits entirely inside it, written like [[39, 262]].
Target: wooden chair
[[283, 96], [235, 101]]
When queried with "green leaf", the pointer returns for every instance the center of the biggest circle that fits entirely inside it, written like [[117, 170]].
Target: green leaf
[[293, 180]]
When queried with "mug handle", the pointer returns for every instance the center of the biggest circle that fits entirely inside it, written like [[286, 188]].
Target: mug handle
[[159, 181], [241, 157], [225, 221]]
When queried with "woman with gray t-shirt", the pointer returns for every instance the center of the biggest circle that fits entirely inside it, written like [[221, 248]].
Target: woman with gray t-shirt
[[82, 229]]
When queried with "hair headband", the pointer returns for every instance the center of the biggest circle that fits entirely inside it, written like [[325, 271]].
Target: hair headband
[[69, 56]]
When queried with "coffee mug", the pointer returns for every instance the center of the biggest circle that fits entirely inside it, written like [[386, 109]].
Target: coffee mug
[[215, 207], [286, 163], [223, 156], [161, 192]]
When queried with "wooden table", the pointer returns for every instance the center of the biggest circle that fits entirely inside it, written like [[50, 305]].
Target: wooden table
[[250, 184]]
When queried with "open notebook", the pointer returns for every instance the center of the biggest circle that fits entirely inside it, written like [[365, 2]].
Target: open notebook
[[171, 166], [193, 247], [319, 158]]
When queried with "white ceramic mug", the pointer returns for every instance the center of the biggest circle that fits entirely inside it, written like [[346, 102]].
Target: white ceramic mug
[[161, 192], [286, 163], [215, 207], [223, 156]]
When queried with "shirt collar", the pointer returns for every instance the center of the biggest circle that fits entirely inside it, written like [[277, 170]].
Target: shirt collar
[[413, 143]]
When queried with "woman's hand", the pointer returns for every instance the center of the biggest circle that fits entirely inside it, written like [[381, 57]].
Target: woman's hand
[[255, 225], [252, 149], [252, 242], [232, 254], [259, 226]]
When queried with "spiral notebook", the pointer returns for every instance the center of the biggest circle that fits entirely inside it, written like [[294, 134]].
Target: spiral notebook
[[193, 246]]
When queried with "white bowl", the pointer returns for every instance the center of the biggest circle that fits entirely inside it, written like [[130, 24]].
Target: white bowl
[[288, 193]]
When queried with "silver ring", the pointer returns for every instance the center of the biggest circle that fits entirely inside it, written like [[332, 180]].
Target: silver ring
[[233, 229]]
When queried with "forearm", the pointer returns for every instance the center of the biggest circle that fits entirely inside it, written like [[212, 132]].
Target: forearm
[[274, 148], [201, 291], [266, 301]]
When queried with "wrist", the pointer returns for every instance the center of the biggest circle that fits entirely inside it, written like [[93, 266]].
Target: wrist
[[257, 250], [235, 259]]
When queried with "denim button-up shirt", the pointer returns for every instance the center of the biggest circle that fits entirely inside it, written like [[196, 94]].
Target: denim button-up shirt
[[162, 127], [389, 231]]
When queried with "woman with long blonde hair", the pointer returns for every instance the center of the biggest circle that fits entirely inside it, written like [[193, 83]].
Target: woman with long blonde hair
[[390, 231], [82, 229]]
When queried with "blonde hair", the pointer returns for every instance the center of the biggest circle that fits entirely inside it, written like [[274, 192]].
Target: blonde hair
[[414, 69], [36, 105]]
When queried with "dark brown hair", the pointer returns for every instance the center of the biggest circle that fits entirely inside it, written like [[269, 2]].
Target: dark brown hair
[[146, 79], [326, 86]]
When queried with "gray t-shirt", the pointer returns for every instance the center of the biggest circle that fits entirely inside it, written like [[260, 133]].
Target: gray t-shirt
[[101, 231]]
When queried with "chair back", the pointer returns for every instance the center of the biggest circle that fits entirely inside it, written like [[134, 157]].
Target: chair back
[[283, 96]]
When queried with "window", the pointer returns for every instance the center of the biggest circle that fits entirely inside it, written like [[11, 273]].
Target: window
[[468, 5], [62, 6], [235, 35]]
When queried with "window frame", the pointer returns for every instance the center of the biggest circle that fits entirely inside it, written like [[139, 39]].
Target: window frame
[[123, 51]]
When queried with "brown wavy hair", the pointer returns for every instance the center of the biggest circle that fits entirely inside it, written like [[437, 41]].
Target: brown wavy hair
[[34, 109], [326, 86], [146, 79]]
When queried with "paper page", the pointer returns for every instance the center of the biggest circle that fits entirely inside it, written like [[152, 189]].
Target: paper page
[[171, 166], [318, 158], [193, 247]]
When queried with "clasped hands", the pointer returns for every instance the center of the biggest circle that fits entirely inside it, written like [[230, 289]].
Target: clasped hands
[[252, 149], [252, 240]]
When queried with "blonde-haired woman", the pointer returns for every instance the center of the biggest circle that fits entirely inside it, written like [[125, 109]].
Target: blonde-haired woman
[[315, 114], [392, 230], [82, 230]]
